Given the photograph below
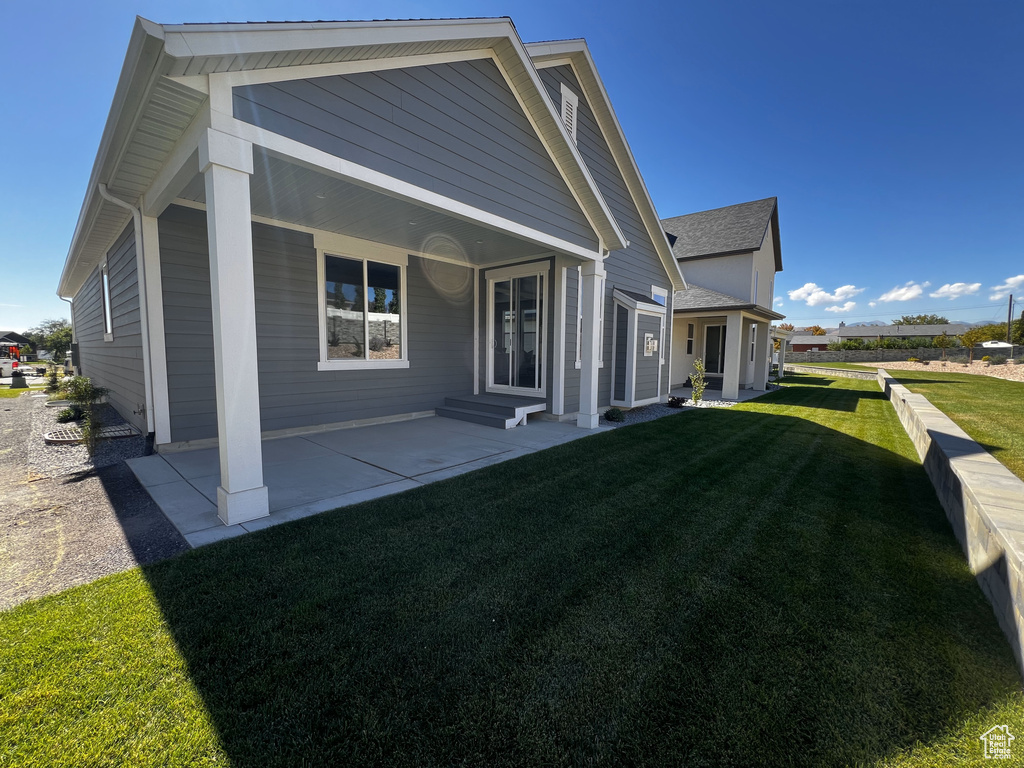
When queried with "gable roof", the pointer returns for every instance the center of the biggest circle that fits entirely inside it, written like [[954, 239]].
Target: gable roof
[[163, 89], [722, 231], [577, 55], [13, 337]]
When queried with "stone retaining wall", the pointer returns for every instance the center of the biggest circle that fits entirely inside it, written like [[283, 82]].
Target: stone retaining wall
[[839, 373], [983, 500], [871, 355]]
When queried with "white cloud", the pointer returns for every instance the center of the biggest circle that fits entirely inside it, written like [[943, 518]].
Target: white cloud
[[1003, 290], [815, 295], [872, 303], [845, 308], [778, 301], [905, 292], [955, 290]]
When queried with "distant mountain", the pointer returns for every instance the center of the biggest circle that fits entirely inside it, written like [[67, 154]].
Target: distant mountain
[[866, 322]]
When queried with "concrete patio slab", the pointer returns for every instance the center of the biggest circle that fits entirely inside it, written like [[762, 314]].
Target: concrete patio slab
[[314, 473], [153, 470]]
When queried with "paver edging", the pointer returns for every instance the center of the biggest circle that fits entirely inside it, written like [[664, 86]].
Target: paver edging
[[983, 500], [842, 373]]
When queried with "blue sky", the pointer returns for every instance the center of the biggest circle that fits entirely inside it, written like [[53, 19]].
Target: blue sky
[[890, 132]]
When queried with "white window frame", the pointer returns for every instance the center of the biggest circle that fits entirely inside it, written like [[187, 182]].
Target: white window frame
[[364, 251], [753, 340], [691, 334], [661, 293], [570, 110], [106, 304], [579, 320]]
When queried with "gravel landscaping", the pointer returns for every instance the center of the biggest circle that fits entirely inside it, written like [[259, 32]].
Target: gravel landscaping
[[68, 519], [1007, 371]]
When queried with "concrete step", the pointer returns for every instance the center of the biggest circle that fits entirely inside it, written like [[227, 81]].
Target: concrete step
[[478, 417], [481, 405]]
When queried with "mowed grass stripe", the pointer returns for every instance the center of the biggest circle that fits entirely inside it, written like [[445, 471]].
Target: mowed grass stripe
[[772, 584]]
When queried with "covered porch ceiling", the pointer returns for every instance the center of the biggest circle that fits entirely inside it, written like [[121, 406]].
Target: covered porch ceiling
[[293, 194]]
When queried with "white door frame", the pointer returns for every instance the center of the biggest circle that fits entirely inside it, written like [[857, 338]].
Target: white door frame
[[721, 348], [540, 270]]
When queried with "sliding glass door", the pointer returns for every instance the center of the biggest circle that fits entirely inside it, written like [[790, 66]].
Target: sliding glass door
[[516, 334]]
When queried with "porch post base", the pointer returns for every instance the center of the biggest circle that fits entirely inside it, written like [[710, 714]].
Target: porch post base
[[242, 506], [588, 420]]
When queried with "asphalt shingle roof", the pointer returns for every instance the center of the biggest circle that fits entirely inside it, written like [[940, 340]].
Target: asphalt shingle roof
[[695, 297], [820, 340], [731, 229], [906, 331]]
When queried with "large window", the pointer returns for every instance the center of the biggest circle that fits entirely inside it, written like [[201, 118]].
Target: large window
[[362, 314]]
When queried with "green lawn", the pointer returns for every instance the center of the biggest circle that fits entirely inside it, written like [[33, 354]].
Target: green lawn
[[8, 392], [988, 409], [772, 584]]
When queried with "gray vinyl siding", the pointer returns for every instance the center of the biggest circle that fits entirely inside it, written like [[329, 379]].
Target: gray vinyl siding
[[621, 345], [638, 267], [118, 364], [646, 367], [293, 393], [572, 319], [455, 129]]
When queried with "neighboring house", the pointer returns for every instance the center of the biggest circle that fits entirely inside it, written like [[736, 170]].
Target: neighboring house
[[730, 257], [11, 342], [875, 332], [297, 225], [809, 343]]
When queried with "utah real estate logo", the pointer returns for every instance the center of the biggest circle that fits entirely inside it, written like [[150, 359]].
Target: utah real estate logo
[[996, 741]]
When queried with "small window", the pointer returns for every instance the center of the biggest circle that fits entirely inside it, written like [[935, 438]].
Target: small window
[[689, 338], [660, 295], [753, 340], [570, 106], [108, 317], [363, 317]]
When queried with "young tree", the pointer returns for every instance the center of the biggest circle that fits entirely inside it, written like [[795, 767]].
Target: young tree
[[921, 320], [993, 332], [785, 326], [817, 330]]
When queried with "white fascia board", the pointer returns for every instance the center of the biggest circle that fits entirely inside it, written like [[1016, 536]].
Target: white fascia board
[[649, 308], [612, 234], [138, 75], [198, 40], [323, 162], [576, 54]]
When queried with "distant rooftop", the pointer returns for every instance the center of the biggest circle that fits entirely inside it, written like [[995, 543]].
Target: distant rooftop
[[872, 331]]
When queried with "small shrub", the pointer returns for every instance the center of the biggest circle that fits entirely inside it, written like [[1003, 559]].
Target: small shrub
[[997, 360], [697, 382], [377, 344], [614, 414], [676, 402], [51, 378], [986, 359], [913, 359], [74, 413]]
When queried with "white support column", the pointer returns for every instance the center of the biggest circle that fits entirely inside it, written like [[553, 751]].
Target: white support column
[[592, 298], [733, 356], [762, 357], [157, 343], [782, 356], [558, 354], [226, 163]]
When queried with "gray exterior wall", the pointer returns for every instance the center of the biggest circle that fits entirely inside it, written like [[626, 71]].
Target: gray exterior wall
[[647, 367], [572, 339], [118, 364], [293, 393], [621, 346], [455, 129], [638, 267]]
